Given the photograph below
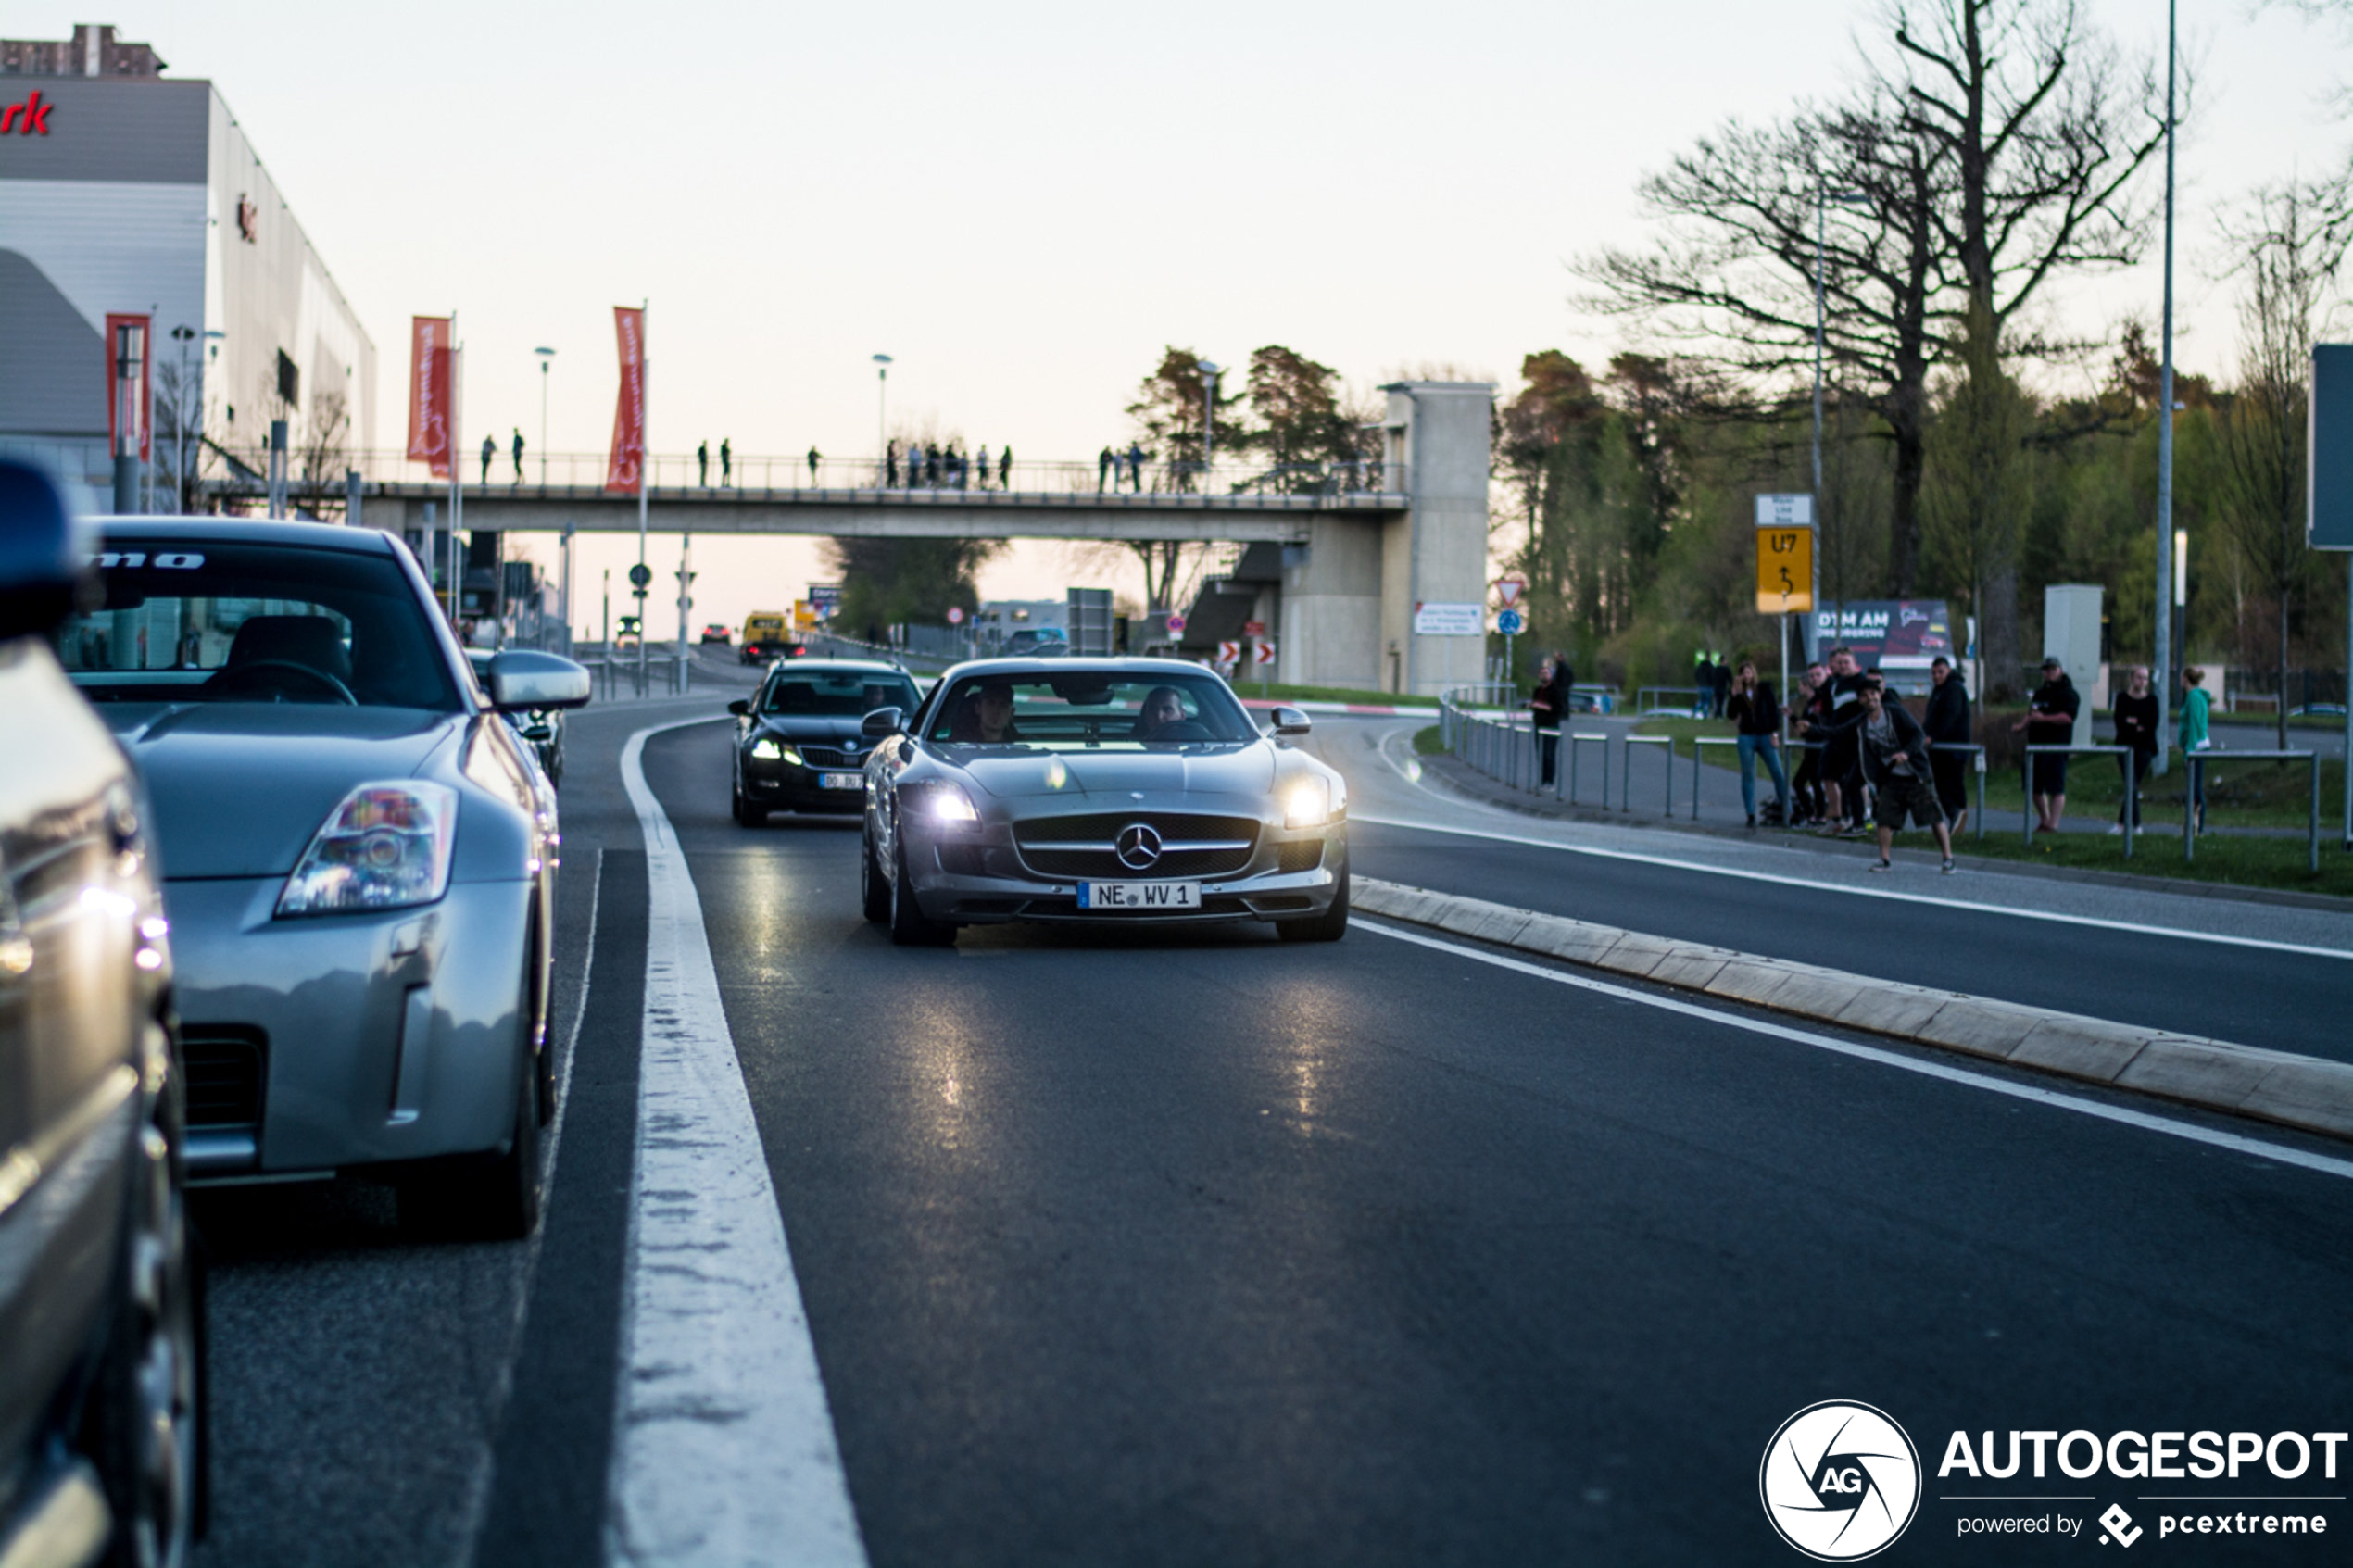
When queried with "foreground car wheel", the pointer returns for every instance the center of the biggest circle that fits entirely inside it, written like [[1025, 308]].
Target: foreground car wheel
[[147, 1411], [909, 926], [747, 814], [1329, 926], [874, 893]]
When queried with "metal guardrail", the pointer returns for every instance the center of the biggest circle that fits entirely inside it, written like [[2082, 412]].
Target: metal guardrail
[[1626, 780], [1570, 743], [2197, 762], [1697, 694]]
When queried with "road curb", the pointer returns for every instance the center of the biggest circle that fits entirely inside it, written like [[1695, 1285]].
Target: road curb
[[2294, 1091]]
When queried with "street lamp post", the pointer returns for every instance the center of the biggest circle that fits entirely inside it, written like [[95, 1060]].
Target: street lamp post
[[546, 356], [882, 417], [1209, 374], [1824, 196], [2165, 650]]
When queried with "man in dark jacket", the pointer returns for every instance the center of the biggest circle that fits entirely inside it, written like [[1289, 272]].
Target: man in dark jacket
[[1948, 726], [1548, 707], [2050, 720], [2135, 711], [1894, 755]]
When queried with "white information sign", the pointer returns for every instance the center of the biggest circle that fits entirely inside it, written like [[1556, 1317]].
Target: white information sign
[[1785, 511], [1450, 620]]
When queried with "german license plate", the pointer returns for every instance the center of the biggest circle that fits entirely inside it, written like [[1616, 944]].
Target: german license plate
[[1140, 895], [841, 781]]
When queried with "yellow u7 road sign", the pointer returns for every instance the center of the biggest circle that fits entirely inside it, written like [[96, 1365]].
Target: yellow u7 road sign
[[1784, 570]]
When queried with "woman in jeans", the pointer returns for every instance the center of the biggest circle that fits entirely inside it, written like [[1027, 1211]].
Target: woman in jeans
[[1756, 717]]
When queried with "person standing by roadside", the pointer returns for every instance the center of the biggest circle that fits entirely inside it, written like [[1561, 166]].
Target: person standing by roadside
[[1549, 707], [1948, 727], [1806, 781], [2050, 720], [1756, 711], [2135, 711], [1839, 709], [2195, 707], [1894, 750]]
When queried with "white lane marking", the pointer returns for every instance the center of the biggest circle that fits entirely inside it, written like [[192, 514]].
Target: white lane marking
[[723, 1451], [1779, 880], [2236, 1142]]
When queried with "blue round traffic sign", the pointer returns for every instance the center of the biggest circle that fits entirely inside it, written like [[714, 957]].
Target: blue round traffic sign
[[1511, 624]]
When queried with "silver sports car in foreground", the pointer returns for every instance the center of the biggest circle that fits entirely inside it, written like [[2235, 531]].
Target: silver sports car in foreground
[[1119, 791], [358, 859]]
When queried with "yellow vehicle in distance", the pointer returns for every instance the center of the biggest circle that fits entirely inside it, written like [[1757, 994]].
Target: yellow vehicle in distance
[[767, 634]]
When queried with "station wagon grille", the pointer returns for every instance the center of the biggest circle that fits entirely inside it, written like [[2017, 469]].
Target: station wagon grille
[[828, 756]]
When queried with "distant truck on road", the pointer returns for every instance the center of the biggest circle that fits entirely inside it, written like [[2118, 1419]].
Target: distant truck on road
[[767, 634]]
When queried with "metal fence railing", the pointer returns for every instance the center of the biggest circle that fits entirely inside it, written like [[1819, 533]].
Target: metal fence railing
[[2194, 797]]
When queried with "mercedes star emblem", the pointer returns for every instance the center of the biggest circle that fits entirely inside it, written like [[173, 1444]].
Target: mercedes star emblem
[[1138, 845]]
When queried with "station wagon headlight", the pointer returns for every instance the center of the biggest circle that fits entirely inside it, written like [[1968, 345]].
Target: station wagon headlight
[[384, 847], [1307, 804], [766, 749]]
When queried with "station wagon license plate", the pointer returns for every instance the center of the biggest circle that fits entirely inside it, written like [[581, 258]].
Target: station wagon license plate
[[1140, 895], [841, 781]]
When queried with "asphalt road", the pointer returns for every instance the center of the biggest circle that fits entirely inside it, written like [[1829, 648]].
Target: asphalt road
[[1207, 1248]]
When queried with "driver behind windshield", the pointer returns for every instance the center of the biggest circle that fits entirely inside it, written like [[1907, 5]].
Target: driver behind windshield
[[985, 717], [1163, 711]]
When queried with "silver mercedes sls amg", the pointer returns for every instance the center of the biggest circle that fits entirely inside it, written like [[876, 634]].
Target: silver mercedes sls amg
[[1118, 791], [358, 855]]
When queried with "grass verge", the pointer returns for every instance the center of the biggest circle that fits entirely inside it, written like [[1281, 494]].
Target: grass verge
[[1431, 740]]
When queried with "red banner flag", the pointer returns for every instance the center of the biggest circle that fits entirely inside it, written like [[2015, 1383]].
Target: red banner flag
[[429, 411], [626, 471], [140, 352]]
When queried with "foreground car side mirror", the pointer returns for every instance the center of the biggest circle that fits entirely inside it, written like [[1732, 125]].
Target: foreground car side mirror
[[1291, 721], [41, 553], [521, 678], [883, 723], [740, 708]]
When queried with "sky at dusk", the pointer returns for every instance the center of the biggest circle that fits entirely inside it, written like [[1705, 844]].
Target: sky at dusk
[[1024, 203]]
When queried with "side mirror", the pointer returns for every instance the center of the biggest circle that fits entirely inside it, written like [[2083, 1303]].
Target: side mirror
[[521, 678], [740, 708], [1291, 721], [42, 553], [883, 723]]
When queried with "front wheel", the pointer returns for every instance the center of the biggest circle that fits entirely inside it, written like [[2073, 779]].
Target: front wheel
[[746, 813], [874, 893], [1329, 926], [910, 927]]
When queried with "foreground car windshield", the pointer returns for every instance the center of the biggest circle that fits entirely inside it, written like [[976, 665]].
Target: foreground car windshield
[[207, 621], [836, 694], [1090, 711]]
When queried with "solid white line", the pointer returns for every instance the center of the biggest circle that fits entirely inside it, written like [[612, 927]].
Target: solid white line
[[2234, 1142], [723, 1450], [1780, 880]]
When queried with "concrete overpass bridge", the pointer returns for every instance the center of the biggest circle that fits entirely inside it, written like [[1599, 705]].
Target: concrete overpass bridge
[[1363, 546]]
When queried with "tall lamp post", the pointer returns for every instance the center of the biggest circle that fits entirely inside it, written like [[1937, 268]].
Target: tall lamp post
[[882, 416], [1824, 196], [2165, 650], [184, 336], [1209, 374], [547, 356]]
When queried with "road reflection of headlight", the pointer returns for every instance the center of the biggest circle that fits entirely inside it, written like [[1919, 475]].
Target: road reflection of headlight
[[1308, 804]]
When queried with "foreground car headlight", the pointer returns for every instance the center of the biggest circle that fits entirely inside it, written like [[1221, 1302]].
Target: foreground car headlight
[[767, 750], [1307, 804], [946, 803], [384, 847]]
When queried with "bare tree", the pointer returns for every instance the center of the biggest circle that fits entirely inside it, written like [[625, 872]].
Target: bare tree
[[2293, 238]]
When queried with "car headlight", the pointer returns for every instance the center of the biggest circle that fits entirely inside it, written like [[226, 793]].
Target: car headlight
[[1307, 804], [384, 847], [767, 748], [944, 802]]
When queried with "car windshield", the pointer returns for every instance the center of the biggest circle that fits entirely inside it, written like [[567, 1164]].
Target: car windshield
[[819, 692], [1118, 709], [206, 621]]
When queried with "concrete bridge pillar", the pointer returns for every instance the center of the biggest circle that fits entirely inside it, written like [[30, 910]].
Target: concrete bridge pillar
[[1349, 596]]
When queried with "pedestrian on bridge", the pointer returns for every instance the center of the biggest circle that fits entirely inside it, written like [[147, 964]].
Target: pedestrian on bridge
[[489, 451], [1756, 711], [984, 465], [891, 464], [812, 465], [1948, 737], [1136, 464], [518, 454], [702, 465], [726, 461], [931, 465], [1103, 464], [1005, 468]]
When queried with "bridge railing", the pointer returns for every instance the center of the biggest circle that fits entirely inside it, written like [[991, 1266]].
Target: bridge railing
[[764, 475]]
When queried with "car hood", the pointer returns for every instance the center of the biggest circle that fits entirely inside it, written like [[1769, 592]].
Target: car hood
[[1236, 769], [812, 727], [239, 788]]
